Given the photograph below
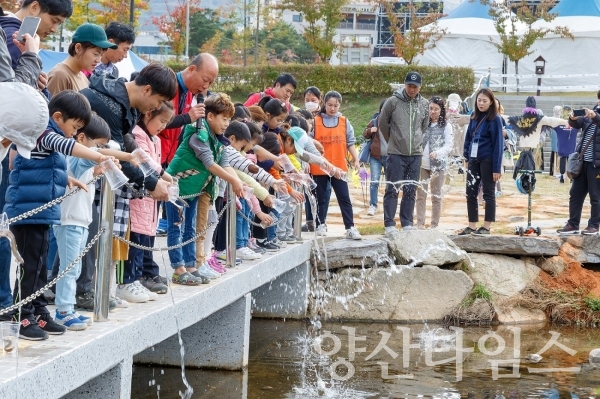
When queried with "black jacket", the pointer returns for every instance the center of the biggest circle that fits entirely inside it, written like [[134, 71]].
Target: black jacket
[[583, 123], [109, 99]]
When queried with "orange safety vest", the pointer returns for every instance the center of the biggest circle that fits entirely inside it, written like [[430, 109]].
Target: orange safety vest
[[334, 142]]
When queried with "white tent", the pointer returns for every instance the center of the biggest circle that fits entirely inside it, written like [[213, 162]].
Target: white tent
[[467, 42], [565, 56]]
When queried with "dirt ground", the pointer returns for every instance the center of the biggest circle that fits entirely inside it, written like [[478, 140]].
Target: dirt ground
[[550, 207]]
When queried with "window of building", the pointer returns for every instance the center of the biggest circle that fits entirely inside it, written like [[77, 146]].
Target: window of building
[[297, 18]]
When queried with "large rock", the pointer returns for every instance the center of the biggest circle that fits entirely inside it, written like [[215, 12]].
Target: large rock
[[520, 316], [583, 249], [553, 266], [503, 276], [398, 295], [508, 245], [424, 247], [344, 253]]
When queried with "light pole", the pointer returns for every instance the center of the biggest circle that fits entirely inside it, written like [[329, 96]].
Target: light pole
[[131, 12], [187, 29]]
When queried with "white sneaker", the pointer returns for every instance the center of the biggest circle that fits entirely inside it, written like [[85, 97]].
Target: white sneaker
[[391, 231], [372, 210], [322, 230], [353, 234], [246, 253], [408, 228], [279, 243], [152, 296], [121, 303], [207, 271], [131, 293]]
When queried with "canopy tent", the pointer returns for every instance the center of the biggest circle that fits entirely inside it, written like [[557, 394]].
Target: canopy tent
[[126, 66], [565, 56], [467, 42]]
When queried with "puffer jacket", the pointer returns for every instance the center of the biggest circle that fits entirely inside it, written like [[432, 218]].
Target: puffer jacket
[[402, 122], [143, 212]]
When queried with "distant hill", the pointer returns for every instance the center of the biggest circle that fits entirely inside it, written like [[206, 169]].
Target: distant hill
[[159, 7]]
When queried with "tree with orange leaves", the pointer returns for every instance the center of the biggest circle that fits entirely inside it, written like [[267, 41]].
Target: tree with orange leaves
[[102, 12], [172, 24]]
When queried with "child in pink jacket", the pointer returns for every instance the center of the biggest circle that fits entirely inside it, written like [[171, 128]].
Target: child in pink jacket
[[144, 212]]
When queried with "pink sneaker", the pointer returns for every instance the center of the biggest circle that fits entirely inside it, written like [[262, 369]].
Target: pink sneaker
[[214, 264]]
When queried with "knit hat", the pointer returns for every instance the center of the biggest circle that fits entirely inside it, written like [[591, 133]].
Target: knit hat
[[24, 116]]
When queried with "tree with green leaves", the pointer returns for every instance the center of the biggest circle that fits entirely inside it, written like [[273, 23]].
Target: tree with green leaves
[[321, 19], [517, 28], [422, 33], [102, 12], [173, 24], [204, 24]]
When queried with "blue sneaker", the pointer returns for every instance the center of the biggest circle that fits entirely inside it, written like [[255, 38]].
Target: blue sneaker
[[70, 321], [161, 229], [85, 319]]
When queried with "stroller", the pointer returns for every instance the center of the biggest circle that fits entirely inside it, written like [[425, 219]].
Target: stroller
[[524, 174]]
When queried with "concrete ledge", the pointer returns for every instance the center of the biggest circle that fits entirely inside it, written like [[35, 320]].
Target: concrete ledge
[[285, 297], [79, 357]]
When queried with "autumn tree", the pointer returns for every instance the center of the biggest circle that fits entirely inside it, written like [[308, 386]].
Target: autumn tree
[[517, 28], [173, 24], [413, 27], [102, 12], [321, 19], [9, 5]]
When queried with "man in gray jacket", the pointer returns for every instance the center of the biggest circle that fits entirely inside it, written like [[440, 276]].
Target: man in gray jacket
[[402, 121], [29, 66]]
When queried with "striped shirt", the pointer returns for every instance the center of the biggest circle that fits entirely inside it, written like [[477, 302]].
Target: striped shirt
[[587, 136], [50, 142]]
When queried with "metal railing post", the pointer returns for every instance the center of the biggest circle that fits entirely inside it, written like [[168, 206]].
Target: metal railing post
[[230, 231], [104, 252], [298, 221]]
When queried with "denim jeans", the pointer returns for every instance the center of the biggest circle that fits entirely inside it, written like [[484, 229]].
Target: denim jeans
[[134, 265], [242, 227], [179, 231], [376, 167], [70, 242], [52, 250]]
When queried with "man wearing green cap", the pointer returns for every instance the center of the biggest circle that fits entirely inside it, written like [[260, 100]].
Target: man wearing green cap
[[85, 52]]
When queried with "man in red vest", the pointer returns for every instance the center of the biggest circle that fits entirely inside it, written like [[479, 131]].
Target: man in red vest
[[193, 80]]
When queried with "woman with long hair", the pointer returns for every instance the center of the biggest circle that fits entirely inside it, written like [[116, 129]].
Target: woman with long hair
[[483, 148], [437, 144]]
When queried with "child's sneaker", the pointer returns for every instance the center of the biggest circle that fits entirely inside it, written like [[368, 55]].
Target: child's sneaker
[[279, 243], [47, 323], [31, 331], [215, 265], [152, 296], [85, 319], [222, 258], [119, 303], [268, 246], [153, 284], [205, 271], [70, 321], [246, 253], [131, 293], [287, 239]]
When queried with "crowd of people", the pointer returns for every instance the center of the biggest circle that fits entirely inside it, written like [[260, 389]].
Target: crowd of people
[[62, 130]]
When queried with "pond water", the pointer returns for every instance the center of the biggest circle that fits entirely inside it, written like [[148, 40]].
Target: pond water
[[377, 360]]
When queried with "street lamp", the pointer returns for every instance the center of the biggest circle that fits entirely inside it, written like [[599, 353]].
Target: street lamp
[[540, 69]]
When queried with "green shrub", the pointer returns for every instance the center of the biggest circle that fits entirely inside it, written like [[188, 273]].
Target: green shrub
[[592, 302], [369, 80]]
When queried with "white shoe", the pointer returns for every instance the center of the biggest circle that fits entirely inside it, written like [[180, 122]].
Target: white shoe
[[322, 230], [121, 303], [391, 231], [131, 293], [208, 272], [372, 210], [279, 243], [353, 234], [152, 296], [246, 253], [408, 228]]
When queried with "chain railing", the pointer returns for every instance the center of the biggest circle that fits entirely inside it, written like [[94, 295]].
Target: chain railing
[[54, 280]]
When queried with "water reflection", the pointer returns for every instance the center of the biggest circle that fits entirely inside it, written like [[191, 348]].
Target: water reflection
[[286, 363]]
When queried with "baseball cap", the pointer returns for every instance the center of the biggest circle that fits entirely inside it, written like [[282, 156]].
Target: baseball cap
[[300, 139], [94, 34], [24, 116], [413, 78]]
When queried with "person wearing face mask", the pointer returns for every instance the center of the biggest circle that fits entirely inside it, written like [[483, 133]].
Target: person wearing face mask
[[312, 100]]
